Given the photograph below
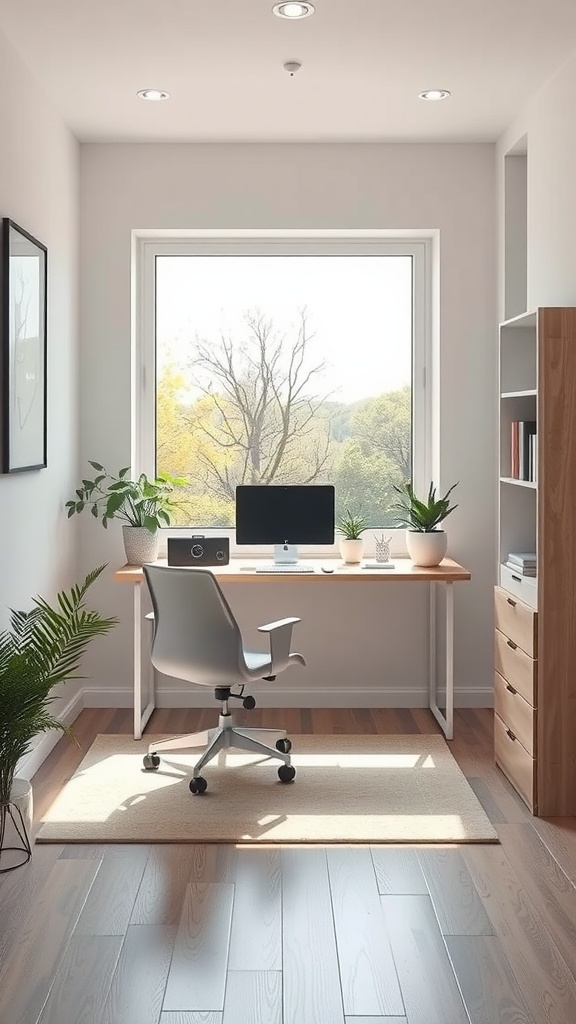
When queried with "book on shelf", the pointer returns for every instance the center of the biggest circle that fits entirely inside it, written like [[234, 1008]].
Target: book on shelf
[[522, 557], [523, 450], [521, 570], [522, 562]]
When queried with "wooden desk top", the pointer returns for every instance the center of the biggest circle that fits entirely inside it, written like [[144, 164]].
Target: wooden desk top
[[241, 570]]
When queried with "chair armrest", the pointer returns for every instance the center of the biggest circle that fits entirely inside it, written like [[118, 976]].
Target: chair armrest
[[280, 640], [277, 625]]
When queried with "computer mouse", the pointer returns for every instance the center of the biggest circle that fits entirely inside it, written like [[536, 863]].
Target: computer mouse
[[326, 568]]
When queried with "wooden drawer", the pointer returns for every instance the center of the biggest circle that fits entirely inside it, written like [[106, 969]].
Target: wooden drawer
[[517, 668], [524, 587], [517, 621], [515, 762], [517, 714]]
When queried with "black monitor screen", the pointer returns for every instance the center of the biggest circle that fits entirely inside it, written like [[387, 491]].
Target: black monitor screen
[[291, 514]]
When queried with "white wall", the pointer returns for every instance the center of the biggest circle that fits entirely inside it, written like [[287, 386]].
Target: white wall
[[367, 645], [550, 126], [39, 190]]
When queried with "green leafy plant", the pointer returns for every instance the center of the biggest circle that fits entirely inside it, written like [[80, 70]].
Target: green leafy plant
[[422, 515], [140, 502], [42, 648], [351, 524]]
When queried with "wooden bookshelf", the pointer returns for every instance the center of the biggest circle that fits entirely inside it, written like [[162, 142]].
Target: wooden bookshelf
[[535, 690]]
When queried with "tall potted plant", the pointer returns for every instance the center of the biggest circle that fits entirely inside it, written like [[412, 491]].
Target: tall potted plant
[[426, 543], [41, 648], [142, 505]]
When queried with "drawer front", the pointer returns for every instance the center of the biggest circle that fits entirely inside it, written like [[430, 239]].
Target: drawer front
[[517, 668], [517, 620], [515, 762], [524, 587], [517, 714]]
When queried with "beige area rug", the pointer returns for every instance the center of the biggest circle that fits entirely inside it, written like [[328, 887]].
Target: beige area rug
[[348, 789]]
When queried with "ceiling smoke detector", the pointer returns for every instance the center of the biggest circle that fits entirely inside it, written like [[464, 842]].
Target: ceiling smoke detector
[[293, 10], [292, 66]]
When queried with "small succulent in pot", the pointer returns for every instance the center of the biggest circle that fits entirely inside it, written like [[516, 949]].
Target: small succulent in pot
[[426, 543], [351, 524]]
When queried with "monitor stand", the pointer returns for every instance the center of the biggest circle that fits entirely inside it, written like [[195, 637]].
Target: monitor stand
[[285, 554]]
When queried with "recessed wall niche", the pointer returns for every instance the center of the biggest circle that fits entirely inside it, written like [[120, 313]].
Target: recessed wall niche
[[516, 229]]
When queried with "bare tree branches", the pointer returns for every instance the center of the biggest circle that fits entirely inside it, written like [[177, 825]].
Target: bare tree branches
[[262, 423]]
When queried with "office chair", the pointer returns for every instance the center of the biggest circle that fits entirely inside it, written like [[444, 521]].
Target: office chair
[[197, 638]]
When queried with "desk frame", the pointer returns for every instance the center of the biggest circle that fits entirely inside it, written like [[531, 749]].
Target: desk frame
[[445, 574]]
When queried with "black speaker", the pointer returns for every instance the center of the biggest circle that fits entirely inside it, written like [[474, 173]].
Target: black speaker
[[198, 550]]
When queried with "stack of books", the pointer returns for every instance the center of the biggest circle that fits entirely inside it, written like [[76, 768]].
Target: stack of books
[[522, 562]]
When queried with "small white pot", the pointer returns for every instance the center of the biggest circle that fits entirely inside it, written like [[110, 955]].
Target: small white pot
[[351, 551], [427, 549], [140, 545]]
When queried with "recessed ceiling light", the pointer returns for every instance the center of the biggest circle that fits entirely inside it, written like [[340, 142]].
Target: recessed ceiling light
[[434, 94], [153, 94], [292, 10]]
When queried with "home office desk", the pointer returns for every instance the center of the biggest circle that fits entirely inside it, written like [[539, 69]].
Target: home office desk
[[241, 570]]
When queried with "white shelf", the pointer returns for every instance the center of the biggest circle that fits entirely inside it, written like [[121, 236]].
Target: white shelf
[[518, 483], [522, 320], [529, 393]]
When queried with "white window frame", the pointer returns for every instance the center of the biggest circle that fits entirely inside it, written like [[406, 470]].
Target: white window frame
[[147, 245]]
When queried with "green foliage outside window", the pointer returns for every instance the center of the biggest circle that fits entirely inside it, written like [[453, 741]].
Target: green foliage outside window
[[256, 414]]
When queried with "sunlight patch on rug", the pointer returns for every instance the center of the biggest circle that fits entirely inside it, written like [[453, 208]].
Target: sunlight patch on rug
[[364, 789]]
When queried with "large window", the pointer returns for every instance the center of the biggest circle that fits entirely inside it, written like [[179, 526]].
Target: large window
[[283, 362]]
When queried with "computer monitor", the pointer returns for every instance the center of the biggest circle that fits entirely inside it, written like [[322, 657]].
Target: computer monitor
[[285, 516]]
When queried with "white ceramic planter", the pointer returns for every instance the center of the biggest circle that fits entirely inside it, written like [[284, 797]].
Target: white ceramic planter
[[140, 545], [427, 549], [351, 551]]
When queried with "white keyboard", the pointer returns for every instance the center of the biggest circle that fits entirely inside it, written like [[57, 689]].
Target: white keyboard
[[274, 568]]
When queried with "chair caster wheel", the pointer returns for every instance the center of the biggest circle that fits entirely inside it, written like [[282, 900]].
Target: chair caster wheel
[[249, 703], [284, 746], [198, 785], [286, 773], [151, 761]]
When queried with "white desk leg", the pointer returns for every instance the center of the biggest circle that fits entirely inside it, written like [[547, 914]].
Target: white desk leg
[[447, 720], [140, 716]]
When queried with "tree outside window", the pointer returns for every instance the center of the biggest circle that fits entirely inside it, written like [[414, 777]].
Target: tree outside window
[[284, 369]]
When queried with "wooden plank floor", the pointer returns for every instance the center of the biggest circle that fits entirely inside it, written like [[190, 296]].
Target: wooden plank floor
[[170, 934]]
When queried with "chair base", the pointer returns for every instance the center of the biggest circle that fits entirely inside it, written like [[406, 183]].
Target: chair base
[[226, 734]]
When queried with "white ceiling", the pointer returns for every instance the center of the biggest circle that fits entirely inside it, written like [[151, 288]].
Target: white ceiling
[[363, 64]]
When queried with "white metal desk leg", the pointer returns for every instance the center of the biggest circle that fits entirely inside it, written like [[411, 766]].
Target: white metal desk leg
[[140, 716], [432, 653], [447, 720], [449, 661]]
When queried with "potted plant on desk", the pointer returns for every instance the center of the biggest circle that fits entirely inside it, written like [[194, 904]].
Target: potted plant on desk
[[351, 526], [41, 649], [426, 544], [142, 505]]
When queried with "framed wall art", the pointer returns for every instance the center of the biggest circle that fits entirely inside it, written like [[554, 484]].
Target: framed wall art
[[23, 350]]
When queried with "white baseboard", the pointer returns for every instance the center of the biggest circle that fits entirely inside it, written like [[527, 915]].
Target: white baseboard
[[46, 741], [274, 697]]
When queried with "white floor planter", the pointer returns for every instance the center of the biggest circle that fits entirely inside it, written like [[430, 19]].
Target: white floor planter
[[427, 549], [140, 545]]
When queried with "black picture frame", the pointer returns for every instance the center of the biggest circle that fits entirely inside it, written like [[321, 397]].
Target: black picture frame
[[23, 350]]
